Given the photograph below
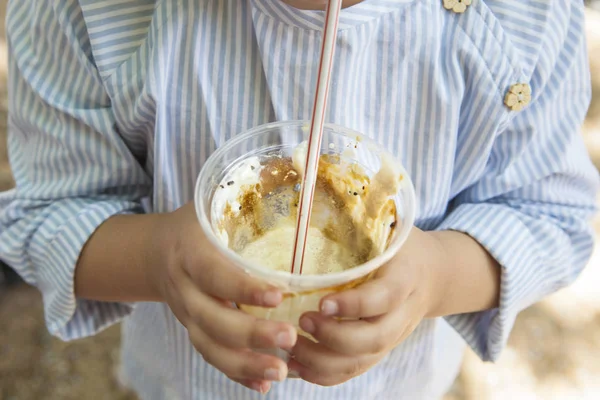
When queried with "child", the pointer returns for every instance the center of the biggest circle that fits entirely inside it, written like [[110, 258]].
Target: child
[[116, 105]]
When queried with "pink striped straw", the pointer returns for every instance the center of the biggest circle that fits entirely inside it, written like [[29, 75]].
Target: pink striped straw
[[315, 136]]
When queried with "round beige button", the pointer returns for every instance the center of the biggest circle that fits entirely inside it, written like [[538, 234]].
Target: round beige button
[[458, 6], [518, 96]]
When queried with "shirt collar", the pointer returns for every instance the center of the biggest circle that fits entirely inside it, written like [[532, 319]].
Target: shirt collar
[[359, 14]]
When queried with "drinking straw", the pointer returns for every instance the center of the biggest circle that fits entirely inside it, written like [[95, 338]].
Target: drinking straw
[[315, 136]]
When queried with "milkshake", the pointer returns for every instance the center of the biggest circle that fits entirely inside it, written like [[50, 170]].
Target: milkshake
[[353, 218], [247, 198]]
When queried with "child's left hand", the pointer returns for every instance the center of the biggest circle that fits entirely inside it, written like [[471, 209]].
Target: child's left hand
[[380, 315]]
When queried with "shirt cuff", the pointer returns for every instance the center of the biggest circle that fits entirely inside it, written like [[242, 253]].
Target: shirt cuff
[[67, 317], [506, 237]]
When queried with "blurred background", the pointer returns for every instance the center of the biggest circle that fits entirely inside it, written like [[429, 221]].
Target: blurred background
[[553, 352]]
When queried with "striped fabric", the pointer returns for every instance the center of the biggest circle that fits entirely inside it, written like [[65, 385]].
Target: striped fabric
[[115, 106]]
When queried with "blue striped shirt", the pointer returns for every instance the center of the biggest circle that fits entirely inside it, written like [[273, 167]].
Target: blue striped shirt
[[116, 104]]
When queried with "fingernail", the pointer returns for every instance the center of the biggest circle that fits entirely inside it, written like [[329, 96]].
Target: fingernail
[[257, 386], [284, 340], [307, 325], [293, 373], [265, 387], [272, 298], [329, 308], [273, 374]]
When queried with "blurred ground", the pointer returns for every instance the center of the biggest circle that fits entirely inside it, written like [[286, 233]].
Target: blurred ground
[[553, 353]]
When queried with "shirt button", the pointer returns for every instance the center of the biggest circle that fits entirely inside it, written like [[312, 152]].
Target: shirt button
[[518, 96], [458, 6]]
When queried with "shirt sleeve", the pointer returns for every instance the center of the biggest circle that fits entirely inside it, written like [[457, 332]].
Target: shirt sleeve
[[71, 167], [531, 208]]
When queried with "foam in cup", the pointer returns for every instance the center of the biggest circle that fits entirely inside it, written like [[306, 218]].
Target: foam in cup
[[352, 221]]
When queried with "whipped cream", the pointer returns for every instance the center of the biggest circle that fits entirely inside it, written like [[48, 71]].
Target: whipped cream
[[241, 178]]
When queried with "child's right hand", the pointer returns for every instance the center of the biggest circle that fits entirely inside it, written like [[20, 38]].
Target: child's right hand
[[199, 284]]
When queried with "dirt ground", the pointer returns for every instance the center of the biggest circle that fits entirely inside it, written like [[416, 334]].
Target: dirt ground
[[553, 352]]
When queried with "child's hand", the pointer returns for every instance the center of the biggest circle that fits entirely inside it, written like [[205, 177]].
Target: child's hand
[[199, 284], [381, 313]]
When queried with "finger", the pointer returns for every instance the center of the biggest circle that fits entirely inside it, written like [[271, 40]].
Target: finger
[[259, 386], [238, 363], [220, 278], [323, 361], [232, 327], [176, 305], [352, 337], [372, 299], [317, 378], [369, 336]]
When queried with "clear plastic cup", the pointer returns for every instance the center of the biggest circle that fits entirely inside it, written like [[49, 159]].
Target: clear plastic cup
[[302, 293]]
